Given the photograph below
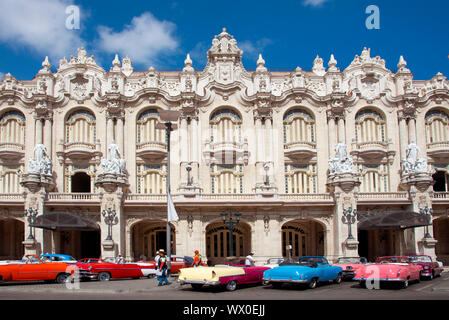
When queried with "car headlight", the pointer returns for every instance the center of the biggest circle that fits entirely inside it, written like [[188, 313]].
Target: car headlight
[[426, 267], [90, 268]]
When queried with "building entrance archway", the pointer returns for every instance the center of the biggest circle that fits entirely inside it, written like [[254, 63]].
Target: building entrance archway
[[12, 233], [149, 236], [441, 234], [81, 182], [306, 238]]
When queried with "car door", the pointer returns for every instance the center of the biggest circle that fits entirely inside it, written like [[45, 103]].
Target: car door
[[32, 271]]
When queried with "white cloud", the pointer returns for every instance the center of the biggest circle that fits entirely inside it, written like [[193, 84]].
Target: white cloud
[[314, 3], [39, 25], [144, 40], [252, 49]]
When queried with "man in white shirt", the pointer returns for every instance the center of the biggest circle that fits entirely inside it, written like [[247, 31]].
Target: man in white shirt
[[250, 260]]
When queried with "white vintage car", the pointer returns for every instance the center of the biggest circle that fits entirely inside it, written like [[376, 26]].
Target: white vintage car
[[274, 262]]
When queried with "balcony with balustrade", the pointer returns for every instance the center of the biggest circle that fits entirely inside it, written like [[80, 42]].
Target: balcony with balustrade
[[383, 198], [78, 150], [438, 150], [372, 151], [11, 151], [300, 150], [226, 152], [152, 150]]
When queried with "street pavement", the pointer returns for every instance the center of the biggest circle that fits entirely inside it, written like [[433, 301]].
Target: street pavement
[[147, 289]]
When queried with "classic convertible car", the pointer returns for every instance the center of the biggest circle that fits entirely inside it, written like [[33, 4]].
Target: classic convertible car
[[398, 269], [306, 270], [350, 265], [34, 269], [108, 270], [221, 275], [429, 268]]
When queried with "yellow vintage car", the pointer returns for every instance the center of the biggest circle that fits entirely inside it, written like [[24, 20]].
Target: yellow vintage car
[[221, 275]]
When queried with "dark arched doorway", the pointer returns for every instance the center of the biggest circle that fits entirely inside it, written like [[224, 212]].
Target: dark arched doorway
[[440, 181], [81, 182]]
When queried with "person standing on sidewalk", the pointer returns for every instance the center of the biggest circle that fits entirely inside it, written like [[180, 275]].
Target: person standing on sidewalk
[[162, 268], [197, 259]]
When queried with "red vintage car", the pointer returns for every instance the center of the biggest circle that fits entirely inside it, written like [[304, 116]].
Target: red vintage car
[[177, 263], [111, 270], [398, 269], [34, 269], [429, 268], [350, 265]]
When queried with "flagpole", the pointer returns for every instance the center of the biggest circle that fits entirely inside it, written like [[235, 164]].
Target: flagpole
[[168, 130]]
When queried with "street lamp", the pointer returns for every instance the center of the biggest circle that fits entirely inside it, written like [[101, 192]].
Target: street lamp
[[230, 224], [167, 117], [348, 218], [427, 213], [30, 215], [110, 218]]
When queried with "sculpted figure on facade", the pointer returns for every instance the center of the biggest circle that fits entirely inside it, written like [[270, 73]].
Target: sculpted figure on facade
[[115, 164], [342, 163], [41, 163], [413, 164]]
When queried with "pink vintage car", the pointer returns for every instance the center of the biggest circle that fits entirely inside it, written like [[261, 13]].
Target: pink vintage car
[[429, 268], [389, 269], [350, 265]]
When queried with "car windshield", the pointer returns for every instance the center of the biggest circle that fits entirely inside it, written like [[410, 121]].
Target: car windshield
[[394, 260], [420, 259], [275, 260], [349, 260], [310, 260]]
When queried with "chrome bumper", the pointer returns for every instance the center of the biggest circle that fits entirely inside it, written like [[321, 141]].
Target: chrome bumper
[[84, 274], [285, 280], [378, 279], [206, 283]]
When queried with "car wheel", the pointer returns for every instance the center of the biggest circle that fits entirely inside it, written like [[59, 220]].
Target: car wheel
[[151, 276], [276, 285], [63, 278], [104, 276], [196, 286], [312, 284], [405, 284], [362, 283], [338, 279], [232, 285]]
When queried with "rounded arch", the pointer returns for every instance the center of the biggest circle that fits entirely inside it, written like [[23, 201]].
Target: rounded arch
[[306, 237], [12, 233], [440, 232], [12, 126], [80, 126], [437, 125], [149, 235], [146, 120], [370, 125], [218, 240], [225, 125], [299, 125], [225, 111]]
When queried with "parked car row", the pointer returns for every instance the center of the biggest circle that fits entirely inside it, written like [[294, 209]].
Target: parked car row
[[307, 271]]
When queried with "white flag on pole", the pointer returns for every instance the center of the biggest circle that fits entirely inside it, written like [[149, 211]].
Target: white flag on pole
[[172, 214]]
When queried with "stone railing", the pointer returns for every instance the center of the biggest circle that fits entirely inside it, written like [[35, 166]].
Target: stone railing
[[152, 145], [306, 197], [79, 145], [382, 196], [440, 144], [56, 196], [300, 145], [12, 146], [12, 197], [440, 195], [228, 145], [370, 145]]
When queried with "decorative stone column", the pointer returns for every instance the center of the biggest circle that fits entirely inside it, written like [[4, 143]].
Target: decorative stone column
[[343, 183]]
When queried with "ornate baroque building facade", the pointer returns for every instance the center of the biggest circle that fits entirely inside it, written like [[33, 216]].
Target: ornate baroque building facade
[[292, 152]]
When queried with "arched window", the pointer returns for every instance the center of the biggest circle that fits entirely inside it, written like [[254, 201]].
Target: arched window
[[299, 126], [227, 178], [12, 127], [81, 127], [369, 127], [10, 179], [146, 128], [437, 126], [225, 126], [151, 178], [300, 178], [374, 178]]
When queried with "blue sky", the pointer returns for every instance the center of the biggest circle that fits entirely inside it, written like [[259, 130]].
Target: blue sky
[[289, 33]]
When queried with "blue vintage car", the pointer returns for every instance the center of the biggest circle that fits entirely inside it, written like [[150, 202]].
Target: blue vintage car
[[57, 258], [306, 270]]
